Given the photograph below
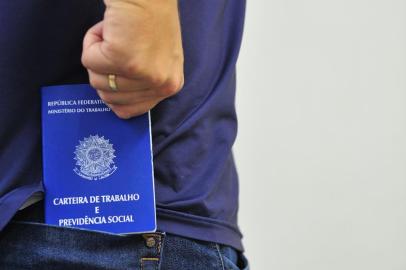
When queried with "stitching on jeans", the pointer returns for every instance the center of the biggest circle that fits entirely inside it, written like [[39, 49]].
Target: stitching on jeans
[[220, 257], [159, 238], [149, 260], [158, 246]]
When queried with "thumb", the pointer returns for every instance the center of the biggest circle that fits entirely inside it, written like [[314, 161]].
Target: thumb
[[93, 36], [92, 55]]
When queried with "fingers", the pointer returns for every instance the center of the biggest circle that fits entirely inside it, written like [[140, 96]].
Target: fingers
[[128, 111], [130, 91], [101, 82], [125, 98], [93, 35]]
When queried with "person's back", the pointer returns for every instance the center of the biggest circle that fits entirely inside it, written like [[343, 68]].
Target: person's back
[[193, 131]]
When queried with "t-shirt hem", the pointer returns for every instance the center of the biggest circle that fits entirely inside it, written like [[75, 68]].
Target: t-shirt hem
[[12, 201], [199, 228]]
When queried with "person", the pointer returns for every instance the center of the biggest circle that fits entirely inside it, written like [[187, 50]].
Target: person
[[176, 58]]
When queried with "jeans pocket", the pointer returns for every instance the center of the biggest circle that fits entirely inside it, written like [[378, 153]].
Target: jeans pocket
[[232, 258]]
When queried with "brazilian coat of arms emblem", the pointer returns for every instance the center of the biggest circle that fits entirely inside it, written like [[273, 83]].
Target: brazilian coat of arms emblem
[[94, 158]]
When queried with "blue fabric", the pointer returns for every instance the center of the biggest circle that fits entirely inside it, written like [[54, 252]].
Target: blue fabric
[[193, 132], [27, 243]]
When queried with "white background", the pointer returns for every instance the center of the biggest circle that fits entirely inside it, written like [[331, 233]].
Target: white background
[[321, 149]]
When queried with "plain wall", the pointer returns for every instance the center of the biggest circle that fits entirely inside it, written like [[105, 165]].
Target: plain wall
[[321, 150]]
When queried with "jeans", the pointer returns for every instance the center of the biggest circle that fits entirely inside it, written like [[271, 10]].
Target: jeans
[[28, 244]]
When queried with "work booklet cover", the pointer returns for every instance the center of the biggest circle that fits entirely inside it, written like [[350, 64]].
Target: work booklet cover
[[98, 171]]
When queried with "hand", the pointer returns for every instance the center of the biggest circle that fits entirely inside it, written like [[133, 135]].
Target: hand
[[140, 42]]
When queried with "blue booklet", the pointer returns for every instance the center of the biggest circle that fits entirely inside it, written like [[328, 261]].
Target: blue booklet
[[98, 171]]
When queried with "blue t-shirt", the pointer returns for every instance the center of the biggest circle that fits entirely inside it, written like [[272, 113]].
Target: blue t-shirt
[[193, 132]]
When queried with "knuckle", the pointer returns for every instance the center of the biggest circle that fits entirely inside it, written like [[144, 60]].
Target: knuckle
[[123, 113], [157, 79], [172, 86], [93, 82], [133, 69], [107, 98], [127, 112], [112, 52], [84, 60], [111, 48], [181, 82]]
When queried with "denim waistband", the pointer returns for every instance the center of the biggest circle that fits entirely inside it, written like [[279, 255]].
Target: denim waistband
[[28, 243]]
